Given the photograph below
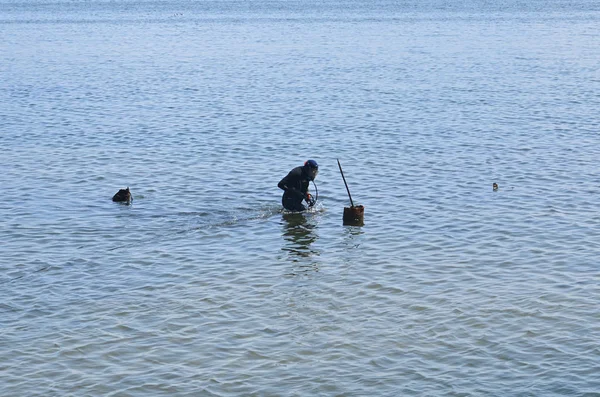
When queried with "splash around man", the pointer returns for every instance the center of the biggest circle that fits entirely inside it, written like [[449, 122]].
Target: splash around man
[[295, 186]]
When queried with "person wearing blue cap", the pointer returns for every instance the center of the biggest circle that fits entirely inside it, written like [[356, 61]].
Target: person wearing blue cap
[[295, 186]]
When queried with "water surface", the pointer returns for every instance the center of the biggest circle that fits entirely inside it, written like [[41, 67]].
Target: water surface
[[203, 287]]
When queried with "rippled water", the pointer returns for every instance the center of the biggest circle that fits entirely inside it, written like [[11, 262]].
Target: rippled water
[[203, 287]]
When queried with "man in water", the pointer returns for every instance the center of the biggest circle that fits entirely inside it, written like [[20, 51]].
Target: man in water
[[295, 186]]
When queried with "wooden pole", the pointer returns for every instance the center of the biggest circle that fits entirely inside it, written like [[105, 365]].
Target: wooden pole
[[348, 190]]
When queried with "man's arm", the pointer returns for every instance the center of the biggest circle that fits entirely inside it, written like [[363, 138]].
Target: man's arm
[[285, 183]]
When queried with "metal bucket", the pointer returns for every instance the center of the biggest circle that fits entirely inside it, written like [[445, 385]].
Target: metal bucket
[[354, 216]]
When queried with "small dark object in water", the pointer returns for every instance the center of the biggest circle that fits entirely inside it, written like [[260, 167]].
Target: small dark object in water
[[354, 216], [123, 196], [495, 186]]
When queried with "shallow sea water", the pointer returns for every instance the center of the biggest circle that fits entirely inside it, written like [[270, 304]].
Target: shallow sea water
[[203, 287]]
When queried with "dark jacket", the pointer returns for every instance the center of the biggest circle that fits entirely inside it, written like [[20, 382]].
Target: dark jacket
[[295, 187]]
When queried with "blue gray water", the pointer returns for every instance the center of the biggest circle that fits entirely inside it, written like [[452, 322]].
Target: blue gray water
[[203, 287]]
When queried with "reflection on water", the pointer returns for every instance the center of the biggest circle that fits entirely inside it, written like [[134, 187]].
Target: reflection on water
[[299, 233], [353, 238], [352, 233]]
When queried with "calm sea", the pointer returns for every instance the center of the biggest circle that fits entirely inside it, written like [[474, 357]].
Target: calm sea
[[203, 287]]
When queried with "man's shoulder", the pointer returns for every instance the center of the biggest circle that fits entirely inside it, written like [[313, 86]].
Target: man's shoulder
[[296, 171]]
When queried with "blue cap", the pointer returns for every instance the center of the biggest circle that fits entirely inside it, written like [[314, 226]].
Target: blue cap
[[311, 164]]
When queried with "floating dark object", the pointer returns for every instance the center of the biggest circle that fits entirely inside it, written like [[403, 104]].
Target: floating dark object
[[123, 196], [353, 215], [495, 186]]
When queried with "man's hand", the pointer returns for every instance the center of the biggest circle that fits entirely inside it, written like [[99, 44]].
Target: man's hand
[[309, 200]]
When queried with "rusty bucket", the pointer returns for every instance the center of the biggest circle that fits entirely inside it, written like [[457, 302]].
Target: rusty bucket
[[354, 216]]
